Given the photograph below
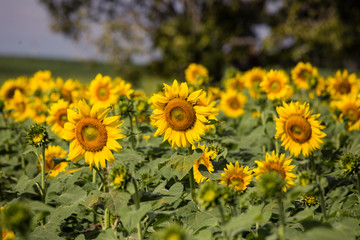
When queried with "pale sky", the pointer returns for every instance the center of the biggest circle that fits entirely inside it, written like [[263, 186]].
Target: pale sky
[[25, 31]]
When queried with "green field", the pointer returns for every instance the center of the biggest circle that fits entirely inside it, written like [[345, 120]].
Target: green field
[[84, 71]]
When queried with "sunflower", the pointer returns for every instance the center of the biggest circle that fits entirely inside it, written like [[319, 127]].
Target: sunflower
[[57, 152], [71, 90], [204, 160], [9, 87], [236, 83], [41, 81], [102, 90], [279, 164], [92, 134], [301, 74], [298, 129], [38, 110], [343, 84], [58, 116], [178, 115], [196, 74], [122, 88], [253, 78], [276, 85], [349, 107], [19, 106], [236, 176], [232, 103]]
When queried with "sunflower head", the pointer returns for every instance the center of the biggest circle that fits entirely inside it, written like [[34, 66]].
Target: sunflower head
[[173, 232], [204, 160], [303, 75], [310, 200], [208, 194], [278, 164], [276, 85], [196, 74], [37, 136], [232, 103], [298, 129], [119, 177], [343, 83], [253, 79], [236, 176]]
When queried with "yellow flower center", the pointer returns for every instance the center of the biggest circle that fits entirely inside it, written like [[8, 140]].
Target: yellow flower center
[[38, 138], [234, 103], [103, 93], [180, 114], [91, 134], [352, 112], [173, 236], [275, 86], [209, 196], [236, 181], [61, 117], [343, 87], [298, 128], [303, 74]]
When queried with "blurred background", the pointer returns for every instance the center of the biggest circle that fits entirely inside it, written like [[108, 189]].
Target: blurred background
[[157, 39]]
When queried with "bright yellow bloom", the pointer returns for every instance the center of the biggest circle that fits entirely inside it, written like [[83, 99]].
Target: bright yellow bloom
[[279, 164], [71, 90], [178, 115], [9, 87], [19, 106], [92, 134], [276, 85], [343, 84], [196, 74], [236, 83], [349, 107], [58, 116], [41, 81], [38, 110], [205, 160], [232, 103], [102, 90], [7, 234], [57, 152], [252, 79], [236, 176], [301, 73], [122, 87], [298, 129]]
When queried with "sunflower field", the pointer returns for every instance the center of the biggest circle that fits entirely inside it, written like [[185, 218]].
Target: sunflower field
[[263, 154]]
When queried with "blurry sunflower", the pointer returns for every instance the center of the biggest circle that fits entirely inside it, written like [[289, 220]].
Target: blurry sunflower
[[6, 235], [71, 90], [301, 73], [279, 164], [122, 88], [57, 152], [9, 87], [41, 81], [343, 84], [102, 90], [232, 103], [58, 116], [178, 115], [349, 107], [298, 129], [276, 85], [236, 176], [92, 134], [253, 78], [19, 106], [38, 110], [196, 74], [214, 93], [236, 83], [205, 160]]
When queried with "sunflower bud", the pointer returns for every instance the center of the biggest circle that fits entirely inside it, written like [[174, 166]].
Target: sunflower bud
[[350, 164], [17, 217], [119, 177], [270, 184], [174, 232], [37, 135], [208, 195], [310, 200], [126, 106]]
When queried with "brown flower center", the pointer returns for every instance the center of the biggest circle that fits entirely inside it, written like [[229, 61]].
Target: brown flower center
[[91, 134], [11, 92], [275, 86], [298, 128], [180, 114], [343, 87], [234, 103], [61, 117], [103, 93], [236, 181], [352, 112]]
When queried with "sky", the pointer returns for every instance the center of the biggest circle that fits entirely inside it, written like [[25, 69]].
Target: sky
[[25, 31]]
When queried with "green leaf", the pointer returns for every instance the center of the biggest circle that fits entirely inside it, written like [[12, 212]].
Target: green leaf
[[25, 184], [41, 233], [180, 165]]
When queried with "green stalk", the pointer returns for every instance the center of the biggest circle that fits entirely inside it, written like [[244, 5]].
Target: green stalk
[[192, 183], [137, 205], [94, 175], [106, 218], [43, 184], [322, 198], [223, 220], [132, 139], [358, 185], [282, 219]]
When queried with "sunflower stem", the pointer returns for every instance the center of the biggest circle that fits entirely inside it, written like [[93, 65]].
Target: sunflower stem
[[132, 139], [322, 198], [23, 164], [137, 205], [43, 184], [94, 175], [282, 219], [358, 185]]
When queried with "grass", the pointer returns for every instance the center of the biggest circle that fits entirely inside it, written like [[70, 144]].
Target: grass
[[84, 71]]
